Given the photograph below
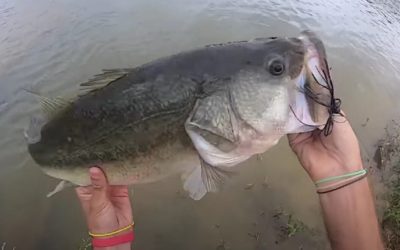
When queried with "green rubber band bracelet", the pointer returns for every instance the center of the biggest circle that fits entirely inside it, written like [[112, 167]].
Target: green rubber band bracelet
[[341, 177]]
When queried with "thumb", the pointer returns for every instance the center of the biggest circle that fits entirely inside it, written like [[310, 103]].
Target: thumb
[[100, 186]]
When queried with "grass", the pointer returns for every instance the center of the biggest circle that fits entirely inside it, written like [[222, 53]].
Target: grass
[[294, 226], [85, 244], [291, 226], [390, 156], [391, 217]]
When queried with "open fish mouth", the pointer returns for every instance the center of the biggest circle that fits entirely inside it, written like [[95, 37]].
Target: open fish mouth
[[318, 87], [316, 58]]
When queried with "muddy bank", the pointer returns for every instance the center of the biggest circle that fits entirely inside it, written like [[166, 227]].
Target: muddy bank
[[385, 171]]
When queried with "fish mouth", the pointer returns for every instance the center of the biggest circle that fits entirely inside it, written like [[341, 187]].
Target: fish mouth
[[317, 85], [315, 59]]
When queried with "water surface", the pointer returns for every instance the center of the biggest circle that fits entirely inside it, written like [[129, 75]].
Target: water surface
[[51, 45]]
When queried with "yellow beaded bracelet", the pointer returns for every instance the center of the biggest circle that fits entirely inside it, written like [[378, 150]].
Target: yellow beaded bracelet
[[113, 232]]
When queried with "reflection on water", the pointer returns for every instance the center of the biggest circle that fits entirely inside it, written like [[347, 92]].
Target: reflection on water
[[52, 45]]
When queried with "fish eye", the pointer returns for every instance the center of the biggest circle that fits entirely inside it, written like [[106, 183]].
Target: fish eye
[[276, 67]]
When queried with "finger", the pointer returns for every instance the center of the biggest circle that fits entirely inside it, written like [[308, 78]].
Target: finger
[[119, 191], [342, 127], [299, 138], [84, 195], [121, 200], [292, 137], [99, 187]]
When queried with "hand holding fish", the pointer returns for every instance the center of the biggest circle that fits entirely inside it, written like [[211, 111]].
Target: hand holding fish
[[107, 208], [349, 210], [324, 156]]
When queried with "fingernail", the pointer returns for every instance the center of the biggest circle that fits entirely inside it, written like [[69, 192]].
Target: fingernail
[[94, 170]]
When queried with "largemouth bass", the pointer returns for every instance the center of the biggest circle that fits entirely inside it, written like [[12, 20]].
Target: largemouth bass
[[197, 113]]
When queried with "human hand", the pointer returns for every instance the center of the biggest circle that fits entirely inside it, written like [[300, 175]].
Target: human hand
[[324, 156], [106, 208]]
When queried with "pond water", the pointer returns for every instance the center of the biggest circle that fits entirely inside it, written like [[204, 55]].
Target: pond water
[[51, 45]]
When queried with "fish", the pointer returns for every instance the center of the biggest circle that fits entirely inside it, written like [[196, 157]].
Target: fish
[[197, 113]]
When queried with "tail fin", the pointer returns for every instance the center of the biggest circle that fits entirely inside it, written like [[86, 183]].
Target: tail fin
[[50, 106], [32, 132]]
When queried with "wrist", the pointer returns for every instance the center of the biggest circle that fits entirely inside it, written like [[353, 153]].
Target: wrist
[[329, 169], [120, 239], [126, 246], [334, 183], [120, 230], [100, 225], [352, 190], [350, 216]]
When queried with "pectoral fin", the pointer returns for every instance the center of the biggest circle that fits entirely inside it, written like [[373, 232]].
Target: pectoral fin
[[194, 184], [205, 178], [213, 177]]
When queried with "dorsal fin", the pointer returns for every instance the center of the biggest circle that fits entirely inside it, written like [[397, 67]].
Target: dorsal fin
[[50, 106], [101, 80], [224, 44]]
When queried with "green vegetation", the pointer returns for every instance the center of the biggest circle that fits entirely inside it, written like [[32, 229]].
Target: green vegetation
[[291, 226], [85, 244], [294, 226], [391, 218], [388, 161]]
